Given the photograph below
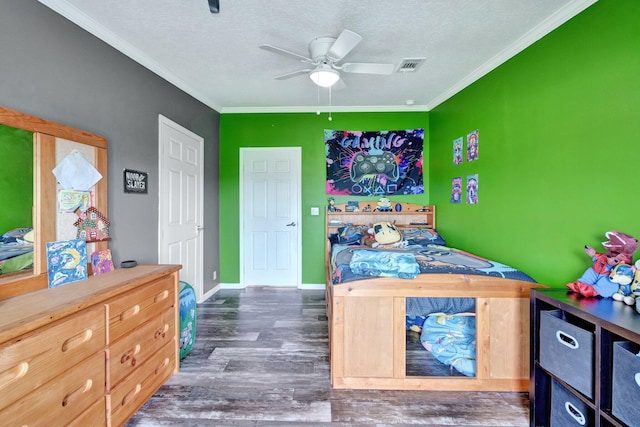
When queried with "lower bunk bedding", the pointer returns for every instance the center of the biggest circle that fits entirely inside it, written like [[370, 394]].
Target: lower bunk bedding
[[445, 326]]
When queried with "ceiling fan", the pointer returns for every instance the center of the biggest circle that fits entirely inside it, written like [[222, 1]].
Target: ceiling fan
[[325, 54]]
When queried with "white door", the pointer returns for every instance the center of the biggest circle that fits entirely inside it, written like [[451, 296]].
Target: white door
[[270, 217], [181, 200]]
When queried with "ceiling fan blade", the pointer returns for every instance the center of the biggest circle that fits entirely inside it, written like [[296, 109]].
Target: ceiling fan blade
[[285, 52], [292, 74], [367, 68], [345, 42]]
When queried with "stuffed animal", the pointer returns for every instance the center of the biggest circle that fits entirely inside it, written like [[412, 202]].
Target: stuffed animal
[[386, 234], [621, 243], [633, 296], [595, 281], [368, 237], [622, 275]]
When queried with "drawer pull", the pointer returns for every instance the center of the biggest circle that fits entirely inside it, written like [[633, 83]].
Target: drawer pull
[[129, 396], [77, 392], [567, 340], [575, 413], [161, 296], [77, 340], [129, 355], [13, 374], [162, 332], [130, 312], [161, 366]]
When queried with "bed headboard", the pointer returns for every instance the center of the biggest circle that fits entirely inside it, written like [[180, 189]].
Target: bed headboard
[[401, 214]]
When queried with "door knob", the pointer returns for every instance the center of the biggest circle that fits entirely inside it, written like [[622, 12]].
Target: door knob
[[291, 224]]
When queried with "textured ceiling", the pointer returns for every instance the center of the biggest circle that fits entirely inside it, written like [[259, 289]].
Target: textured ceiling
[[216, 57]]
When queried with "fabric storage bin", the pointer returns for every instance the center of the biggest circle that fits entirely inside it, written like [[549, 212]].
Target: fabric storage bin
[[566, 351], [567, 410], [626, 382], [188, 318]]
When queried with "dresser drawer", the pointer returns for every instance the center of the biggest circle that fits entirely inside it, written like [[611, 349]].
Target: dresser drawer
[[131, 350], [61, 400], [33, 359], [128, 396], [132, 309], [96, 415]]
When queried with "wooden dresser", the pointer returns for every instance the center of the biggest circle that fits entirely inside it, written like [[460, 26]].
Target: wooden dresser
[[89, 353]]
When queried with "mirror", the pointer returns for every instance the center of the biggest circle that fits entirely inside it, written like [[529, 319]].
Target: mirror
[[16, 193], [36, 203]]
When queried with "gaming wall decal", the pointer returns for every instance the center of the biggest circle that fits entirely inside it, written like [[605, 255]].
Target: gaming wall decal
[[374, 163]]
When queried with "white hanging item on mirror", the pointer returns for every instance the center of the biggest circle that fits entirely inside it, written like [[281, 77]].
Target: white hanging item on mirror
[[74, 172]]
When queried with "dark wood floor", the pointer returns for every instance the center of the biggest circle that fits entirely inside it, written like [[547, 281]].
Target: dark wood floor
[[261, 359]]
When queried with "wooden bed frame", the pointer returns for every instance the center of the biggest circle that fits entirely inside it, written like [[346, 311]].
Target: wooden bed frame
[[367, 325]]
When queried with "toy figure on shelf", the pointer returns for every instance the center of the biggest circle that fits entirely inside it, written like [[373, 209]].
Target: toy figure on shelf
[[596, 281], [384, 205], [331, 207]]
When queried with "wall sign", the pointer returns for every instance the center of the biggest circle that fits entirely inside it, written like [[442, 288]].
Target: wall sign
[[135, 181]]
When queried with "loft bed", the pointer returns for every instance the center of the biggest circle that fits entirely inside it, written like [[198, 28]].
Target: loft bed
[[371, 335]]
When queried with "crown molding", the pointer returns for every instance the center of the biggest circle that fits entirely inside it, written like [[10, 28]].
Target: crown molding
[[87, 23], [326, 109], [561, 16]]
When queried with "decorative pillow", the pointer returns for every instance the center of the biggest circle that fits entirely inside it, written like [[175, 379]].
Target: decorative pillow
[[350, 234], [423, 237], [386, 233]]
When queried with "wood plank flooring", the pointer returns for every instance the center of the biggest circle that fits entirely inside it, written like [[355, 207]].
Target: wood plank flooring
[[261, 359]]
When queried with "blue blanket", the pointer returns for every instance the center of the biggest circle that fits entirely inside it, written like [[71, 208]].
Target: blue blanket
[[349, 262], [452, 340]]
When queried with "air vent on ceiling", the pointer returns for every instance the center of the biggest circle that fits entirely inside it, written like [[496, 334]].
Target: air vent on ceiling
[[410, 65]]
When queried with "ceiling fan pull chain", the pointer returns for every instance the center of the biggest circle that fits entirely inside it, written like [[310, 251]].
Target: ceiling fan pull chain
[[330, 118]]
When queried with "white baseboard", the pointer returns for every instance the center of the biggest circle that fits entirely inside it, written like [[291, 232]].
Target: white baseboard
[[209, 293], [312, 286], [304, 286], [231, 286]]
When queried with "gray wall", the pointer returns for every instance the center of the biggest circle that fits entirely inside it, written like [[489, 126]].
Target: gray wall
[[51, 68]]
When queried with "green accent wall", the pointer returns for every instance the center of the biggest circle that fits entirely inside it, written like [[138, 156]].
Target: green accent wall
[[16, 178], [559, 150], [304, 130], [558, 153]]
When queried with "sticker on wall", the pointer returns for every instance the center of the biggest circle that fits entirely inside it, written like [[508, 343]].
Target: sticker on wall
[[456, 189], [457, 151], [472, 189], [473, 142]]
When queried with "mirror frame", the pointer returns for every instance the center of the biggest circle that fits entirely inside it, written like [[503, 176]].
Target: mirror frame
[[45, 133]]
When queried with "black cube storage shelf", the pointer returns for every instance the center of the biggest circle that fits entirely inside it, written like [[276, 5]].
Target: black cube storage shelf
[[585, 363]]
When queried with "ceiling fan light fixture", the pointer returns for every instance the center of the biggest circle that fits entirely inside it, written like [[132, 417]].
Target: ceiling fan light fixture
[[324, 76]]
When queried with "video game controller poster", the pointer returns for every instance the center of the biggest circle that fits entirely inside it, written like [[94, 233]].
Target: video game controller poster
[[374, 163]]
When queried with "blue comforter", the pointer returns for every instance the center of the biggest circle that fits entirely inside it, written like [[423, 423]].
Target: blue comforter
[[349, 262]]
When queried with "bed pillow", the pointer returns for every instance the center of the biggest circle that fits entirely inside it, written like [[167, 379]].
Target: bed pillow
[[350, 234], [423, 237]]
